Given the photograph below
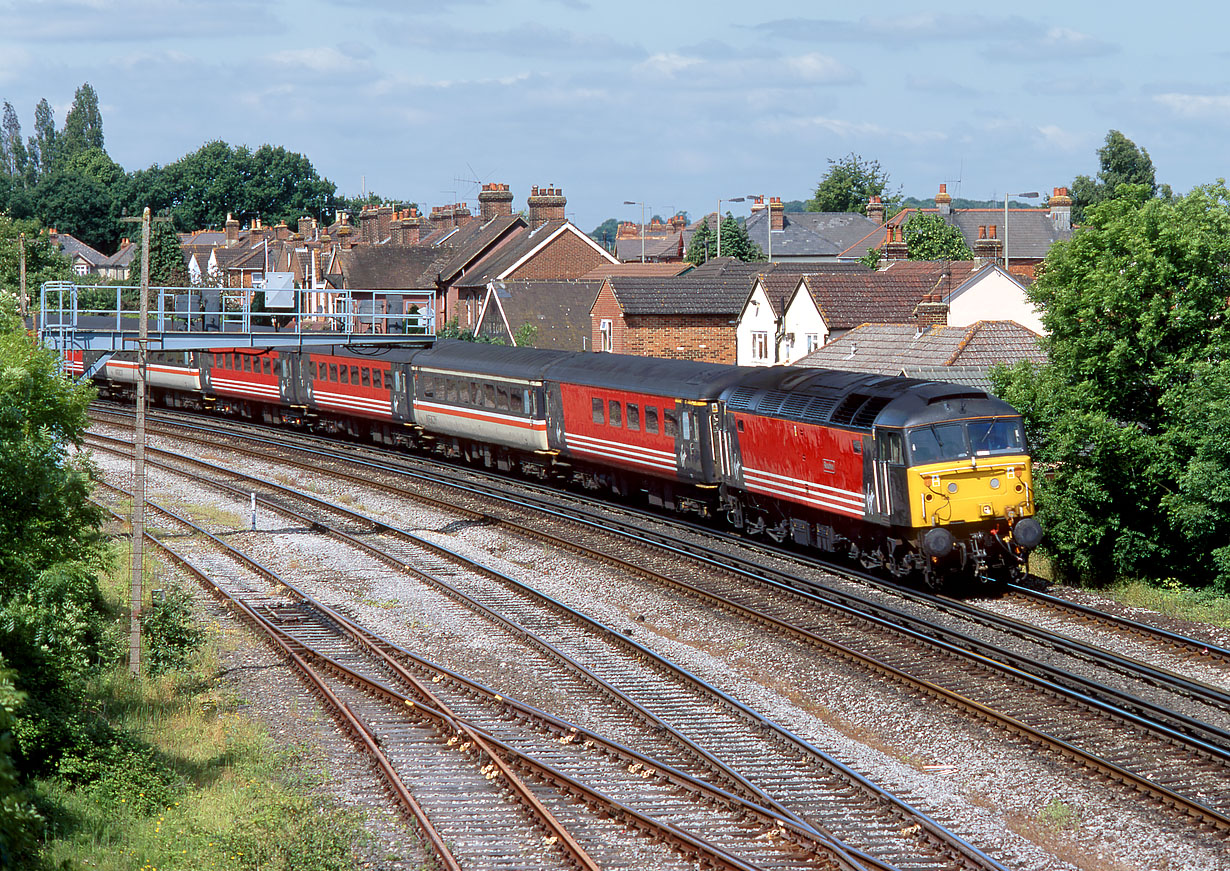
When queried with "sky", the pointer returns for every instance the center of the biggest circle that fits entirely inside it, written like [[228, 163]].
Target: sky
[[671, 104]]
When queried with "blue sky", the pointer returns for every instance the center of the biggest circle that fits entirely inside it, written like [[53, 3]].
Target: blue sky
[[676, 104]]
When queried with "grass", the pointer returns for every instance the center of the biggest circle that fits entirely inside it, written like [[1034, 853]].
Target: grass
[[190, 783], [1174, 599]]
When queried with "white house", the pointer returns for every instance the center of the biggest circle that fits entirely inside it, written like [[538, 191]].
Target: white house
[[991, 294]]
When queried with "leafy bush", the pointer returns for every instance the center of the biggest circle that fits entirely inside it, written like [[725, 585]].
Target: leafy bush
[[171, 632]]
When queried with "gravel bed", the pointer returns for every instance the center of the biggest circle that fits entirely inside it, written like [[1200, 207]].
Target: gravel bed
[[1021, 806]]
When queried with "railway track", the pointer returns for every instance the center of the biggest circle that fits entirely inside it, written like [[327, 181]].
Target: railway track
[[464, 774], [835, 799], [1180, 770]]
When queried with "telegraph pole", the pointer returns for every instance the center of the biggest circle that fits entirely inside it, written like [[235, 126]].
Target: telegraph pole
[[138, 461], [21, 300]]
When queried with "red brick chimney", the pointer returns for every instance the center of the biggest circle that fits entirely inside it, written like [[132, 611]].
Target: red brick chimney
[[1061, 209], [232, 230], [932, 311], [494, 201], [369, 225], [894, 246], [384, 215], [307, 227], [281, 232], [461, 214], [757, 204], [412, 226], [875, 210], [546, 204], [777, 214], [988, 248], [943, 202], [395, 230]]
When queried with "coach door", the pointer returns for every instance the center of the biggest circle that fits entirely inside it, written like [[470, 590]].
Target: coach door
[[399, 399]]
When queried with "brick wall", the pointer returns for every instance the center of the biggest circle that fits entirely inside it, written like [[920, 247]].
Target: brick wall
[[707, 338], [565, 257], [606, 307]]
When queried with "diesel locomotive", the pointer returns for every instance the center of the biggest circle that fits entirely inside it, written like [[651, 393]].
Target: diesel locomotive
[[920, 478]]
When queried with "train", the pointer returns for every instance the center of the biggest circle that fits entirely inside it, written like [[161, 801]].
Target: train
[[920, 479]]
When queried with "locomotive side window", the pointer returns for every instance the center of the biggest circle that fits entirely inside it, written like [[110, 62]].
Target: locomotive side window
[[367, 377], [651, 418], [686, 417], [891, 449], [634, 416], [267, 366], [277, 367], [670, 422], [501, 398], [474, 393], [598, 409], [616, 413]]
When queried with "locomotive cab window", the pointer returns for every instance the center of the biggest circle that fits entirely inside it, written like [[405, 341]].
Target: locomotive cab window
[[995, 436], [616, 413], [634, 416], [277, 367], [376, 379], [890, 447], [686, 420], [651, 419], [929, 444], [598, 409]]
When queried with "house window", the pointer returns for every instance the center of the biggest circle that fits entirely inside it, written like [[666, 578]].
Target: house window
[[813, 342], [81, 268], [760, 345], [604, 330]]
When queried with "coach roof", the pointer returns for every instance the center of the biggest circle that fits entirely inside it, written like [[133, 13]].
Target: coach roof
[[682, 379]]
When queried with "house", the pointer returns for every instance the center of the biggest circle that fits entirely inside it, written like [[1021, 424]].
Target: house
[[690, 316], [961, 354], [118, 266], [555, 310], [1024, 235], [810, 237], [656, 242], [759, 338], [83, 259]]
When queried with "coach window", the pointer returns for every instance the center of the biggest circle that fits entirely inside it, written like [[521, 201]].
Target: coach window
[[450, 387], [345, 375], [429, 387], [474, 393], [376, 379], [277, 367], [488, 396], [332, 371], [354, 374], [367, 377], [501, 398], [247, 363], [598, 416], [616, 412], [634, 416], [267, 366], [670, 422], [515, 398], [651, 418]]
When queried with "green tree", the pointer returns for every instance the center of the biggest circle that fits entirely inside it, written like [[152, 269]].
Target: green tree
[[930, 237], [604, 234], [166, 258], [848, 185], [78, 205], [13, 156], [83, 124], [43, 261], [19, 822], [1131, 408], [736, 243], [702, 245], [1122, 162], [44, 145]]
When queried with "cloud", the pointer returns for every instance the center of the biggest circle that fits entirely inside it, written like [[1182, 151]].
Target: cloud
[[1057, 42], [132, 20], [518, 42], [1055, 136], [866, 130], [667, 64], [820, 69], [1196, 106], [321, 59], [941, 85]]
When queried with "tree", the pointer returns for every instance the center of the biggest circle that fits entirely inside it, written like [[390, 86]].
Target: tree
[[44, 144], [848, 185], [43, 261], [13, 156], [166, 259], [1131, 408], [736, 243], [930, 237], [604, 234], [80, 206], [83, 124], [702, 245], [1122, 162]]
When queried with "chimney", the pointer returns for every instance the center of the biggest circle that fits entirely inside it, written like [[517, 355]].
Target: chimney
[[875, 210], [628, 230], [281, 232], [777, 214], [441, 217], [494, 201], [232, 230], [369, 225], [546, 204], [895, 246], [932, 311], [757, 204], [943, 202], [384, 216], [412, 228], [1061, 210], [307, 227], [988, 248], [461, 214], [346, 236], [395, 230], [678, 223]]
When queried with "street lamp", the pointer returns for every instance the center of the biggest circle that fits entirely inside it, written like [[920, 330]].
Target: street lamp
[[642, 205], [1031, 195], [719, 221]]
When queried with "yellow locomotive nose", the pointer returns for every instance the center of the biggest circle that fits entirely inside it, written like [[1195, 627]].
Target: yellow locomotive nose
[[971, 490]]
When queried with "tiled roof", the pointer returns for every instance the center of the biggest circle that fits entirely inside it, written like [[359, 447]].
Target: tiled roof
[[475, 238], [1031, 232], [811, 234], [520, 244], [901, 349], [847, 298], [73, 247], [559, 309], [656, 248], [121, 258], [393, 267], [717, 287], [644, 270], [780, 284]]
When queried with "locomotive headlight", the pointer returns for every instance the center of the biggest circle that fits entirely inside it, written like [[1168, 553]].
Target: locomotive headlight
[[995, 483], [952, 486]]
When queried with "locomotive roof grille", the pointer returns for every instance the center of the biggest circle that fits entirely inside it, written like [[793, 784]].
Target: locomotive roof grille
[[741, 398], [867, 415], [818, 410]]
